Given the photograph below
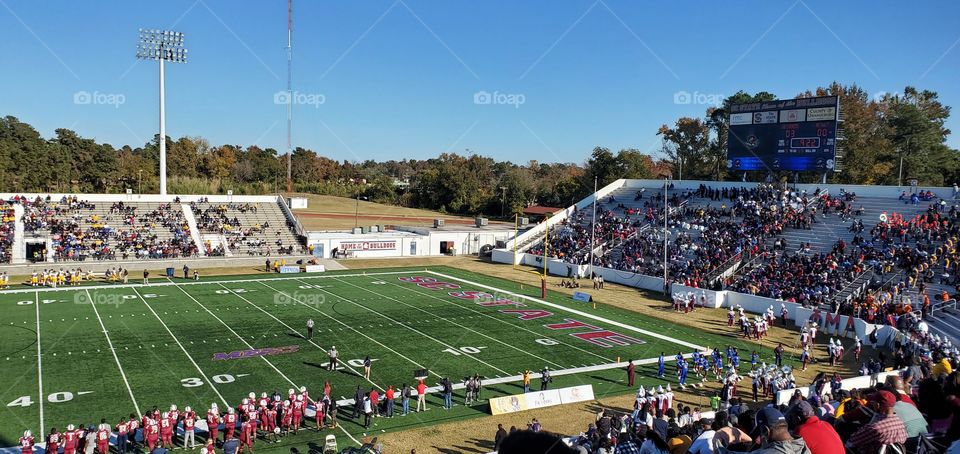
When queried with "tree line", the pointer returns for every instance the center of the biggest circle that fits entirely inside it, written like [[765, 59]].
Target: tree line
[[877, 131]]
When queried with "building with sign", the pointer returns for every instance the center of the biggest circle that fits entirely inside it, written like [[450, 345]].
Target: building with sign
[[408, 241]]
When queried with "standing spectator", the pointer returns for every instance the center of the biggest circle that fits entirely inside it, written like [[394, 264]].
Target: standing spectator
[[526, 381], [266, 265], [703, 444], [421, 396], [375, 402], [309, 328], [186, 272], [545, 378], [778, 354], [447, 393], [332, 354], [358, 402], [389, 401], [498, 438], [366, 367], [367, 411], [631, 373], [146, 277], [405, 393], [230, 446]]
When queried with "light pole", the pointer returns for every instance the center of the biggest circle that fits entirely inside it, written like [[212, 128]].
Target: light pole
[[356, 211], [139, 178], [503, 199], [162, 45]]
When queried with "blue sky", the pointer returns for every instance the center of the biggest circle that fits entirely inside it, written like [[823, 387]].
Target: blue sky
[[391, 79]]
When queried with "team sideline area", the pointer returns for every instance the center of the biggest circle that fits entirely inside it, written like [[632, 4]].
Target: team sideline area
[[76, 355]]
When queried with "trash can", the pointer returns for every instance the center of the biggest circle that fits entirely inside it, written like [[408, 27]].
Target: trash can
[[169, 271]]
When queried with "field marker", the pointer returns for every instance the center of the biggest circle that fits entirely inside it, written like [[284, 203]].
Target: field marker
[[295, 385], [112, 350], [457, 324], [43, 429], [205, 378], [576, 312], [348, 326], [497, 319]]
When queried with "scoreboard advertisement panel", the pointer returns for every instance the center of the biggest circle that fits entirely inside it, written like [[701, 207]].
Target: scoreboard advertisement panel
[[794, 135]]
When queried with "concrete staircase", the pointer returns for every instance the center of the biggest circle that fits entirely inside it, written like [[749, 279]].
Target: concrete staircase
[[194, 231]]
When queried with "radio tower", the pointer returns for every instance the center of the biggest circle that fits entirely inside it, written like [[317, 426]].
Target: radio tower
[[289, 94]]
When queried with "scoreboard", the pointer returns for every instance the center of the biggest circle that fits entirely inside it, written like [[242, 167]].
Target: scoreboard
[[794, 135]]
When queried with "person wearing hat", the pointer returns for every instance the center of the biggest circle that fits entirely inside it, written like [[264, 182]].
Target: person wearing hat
[[656, 442], [819, 436], [774, 434], [703, 444], [885, 428]]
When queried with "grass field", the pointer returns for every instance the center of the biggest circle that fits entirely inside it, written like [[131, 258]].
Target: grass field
[[69, 361]]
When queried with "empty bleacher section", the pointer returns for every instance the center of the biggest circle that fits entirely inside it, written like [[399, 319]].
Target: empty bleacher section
[[256, 229], [125, 227]]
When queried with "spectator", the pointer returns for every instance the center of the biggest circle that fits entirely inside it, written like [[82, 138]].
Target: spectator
[[819, 436], [771, 428], [884, 429], [498, 437]]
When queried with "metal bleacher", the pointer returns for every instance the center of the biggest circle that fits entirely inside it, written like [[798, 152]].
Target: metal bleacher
[[262, 228]]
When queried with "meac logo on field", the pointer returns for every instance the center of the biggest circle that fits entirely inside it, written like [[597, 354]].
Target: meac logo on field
[[256, 352]]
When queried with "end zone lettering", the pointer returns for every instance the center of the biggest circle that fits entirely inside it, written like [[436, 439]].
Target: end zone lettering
[[256, 352]]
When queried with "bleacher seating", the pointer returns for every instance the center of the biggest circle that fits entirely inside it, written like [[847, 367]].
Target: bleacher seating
[[255, 229]]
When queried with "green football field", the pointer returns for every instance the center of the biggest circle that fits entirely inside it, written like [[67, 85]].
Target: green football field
[[174, 341]]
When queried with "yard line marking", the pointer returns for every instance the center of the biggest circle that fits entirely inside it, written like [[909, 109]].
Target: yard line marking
[[41, 397], [350, 327], [481, 313], [205, 378], [296, 386], [112, 350], [457, 324], [294, 331], [413, 329], [169, 283], [575, 312]]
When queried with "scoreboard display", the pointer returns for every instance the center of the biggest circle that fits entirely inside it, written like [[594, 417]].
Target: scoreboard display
[[793, 135]]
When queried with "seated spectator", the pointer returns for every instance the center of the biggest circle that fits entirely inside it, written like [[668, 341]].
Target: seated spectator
[[884, 429]]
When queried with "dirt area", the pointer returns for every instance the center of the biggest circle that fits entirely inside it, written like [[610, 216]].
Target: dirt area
[[476, 435], [325, 212]]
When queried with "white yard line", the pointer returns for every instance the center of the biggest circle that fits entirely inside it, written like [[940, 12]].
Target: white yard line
[[294, 331], [456, 324], [575, 312], [42, 397], [205, 378], [501, 320], [278, 371], [171, 282], [349, 327], [413, 329], [114, 352]]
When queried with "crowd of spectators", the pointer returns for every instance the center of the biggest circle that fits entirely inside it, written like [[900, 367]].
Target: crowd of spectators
[[7, 228], [242, 235]]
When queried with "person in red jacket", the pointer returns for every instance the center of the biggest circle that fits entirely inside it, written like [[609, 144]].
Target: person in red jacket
[[390, 394], [375, 402], [819, 436], [53, 441], [421, 396]]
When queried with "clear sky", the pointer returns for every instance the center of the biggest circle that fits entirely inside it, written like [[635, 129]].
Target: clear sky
[[394, 79]]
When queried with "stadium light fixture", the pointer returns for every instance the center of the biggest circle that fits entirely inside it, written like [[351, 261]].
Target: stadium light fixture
[[162, 45]]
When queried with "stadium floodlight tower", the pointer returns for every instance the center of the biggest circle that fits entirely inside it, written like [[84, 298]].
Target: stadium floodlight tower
[[162, 45]]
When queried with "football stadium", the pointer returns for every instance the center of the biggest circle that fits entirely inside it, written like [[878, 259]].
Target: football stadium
[[304, 264]]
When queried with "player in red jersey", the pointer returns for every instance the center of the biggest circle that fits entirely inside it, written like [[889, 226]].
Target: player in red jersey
[[166, 431], [213, 422], [248, 433], [70, 440], [26, 442], [263, 401], [287, 422], [103, 439], [123, 427], [229, 423], [151, 432], [189, 425], [298, 407], [53, 441], [270, 424]]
